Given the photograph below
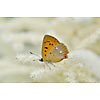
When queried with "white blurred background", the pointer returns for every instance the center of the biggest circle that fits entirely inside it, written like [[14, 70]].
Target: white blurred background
[[19, 36]]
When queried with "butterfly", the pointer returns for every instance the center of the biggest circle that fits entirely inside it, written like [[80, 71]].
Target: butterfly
[[52, 50]]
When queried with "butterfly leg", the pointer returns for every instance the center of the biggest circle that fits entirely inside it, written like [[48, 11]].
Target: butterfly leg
[[44, 65], [48, 65], [52, 64]]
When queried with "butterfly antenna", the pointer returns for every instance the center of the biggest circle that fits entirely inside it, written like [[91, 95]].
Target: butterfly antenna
[[34, 54], [36, 59]]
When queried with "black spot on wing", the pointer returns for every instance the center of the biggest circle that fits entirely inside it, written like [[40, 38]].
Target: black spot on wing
[[46, 47], [49, 43], [45, 51]]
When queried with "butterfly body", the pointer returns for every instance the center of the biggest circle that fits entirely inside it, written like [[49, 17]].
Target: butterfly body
[[52, 50]]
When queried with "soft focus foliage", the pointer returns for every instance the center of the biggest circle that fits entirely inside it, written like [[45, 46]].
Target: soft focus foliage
[[19, 36]]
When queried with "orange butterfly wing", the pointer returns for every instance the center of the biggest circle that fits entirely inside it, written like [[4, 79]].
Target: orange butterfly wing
[[48, 43]]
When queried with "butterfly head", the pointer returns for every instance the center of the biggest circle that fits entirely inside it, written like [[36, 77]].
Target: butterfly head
[[41, 59]]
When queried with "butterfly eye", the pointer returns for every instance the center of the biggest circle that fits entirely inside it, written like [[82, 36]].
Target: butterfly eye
[[41, 59]]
